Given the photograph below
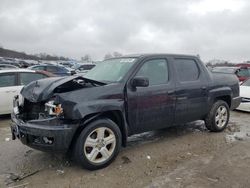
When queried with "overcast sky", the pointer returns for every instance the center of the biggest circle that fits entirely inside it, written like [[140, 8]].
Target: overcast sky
[[212, 28]]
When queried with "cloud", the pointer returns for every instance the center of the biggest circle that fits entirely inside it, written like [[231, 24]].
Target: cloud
[[213, 29]]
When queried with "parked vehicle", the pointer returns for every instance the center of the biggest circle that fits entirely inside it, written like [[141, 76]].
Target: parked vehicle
[[23, 64], [245, 94], [54, 69], [92, 116], [242, 73], [11, 83], [243, 65], [66, 64], [7, 66], [7, 62], [84, 68], [70, 64]]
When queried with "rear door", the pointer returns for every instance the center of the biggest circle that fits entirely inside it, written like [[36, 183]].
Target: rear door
[[152, 107], [27, 77], [8, 89], [191, 90]]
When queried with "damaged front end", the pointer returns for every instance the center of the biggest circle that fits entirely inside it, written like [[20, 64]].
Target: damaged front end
[[39, 129], [40, 119]]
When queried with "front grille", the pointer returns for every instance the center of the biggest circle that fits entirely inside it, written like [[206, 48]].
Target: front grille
[[32, 110]]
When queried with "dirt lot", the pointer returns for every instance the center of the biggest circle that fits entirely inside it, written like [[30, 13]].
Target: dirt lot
[[185, 156]]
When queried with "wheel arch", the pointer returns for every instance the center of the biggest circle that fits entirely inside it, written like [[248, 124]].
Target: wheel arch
[[115, 115], [222, 93], [226, 98]]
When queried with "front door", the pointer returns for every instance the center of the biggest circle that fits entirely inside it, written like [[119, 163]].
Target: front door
[[152, 107]]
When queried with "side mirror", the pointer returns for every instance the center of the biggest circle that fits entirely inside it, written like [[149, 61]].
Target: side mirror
[[140, 82]]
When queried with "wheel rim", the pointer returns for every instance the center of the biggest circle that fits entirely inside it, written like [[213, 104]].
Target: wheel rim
[[221, 116], [100, 145]]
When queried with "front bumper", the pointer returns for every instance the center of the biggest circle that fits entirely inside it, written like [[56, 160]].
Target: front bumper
[[244, 107], [46, 135], [245, 104], [235, 102]]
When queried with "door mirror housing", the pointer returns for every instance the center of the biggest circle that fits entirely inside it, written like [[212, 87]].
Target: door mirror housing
[[140, 82]]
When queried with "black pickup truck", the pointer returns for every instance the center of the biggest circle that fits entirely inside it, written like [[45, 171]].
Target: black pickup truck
[[91, 116]]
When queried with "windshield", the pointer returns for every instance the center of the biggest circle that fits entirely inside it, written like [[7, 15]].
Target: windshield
[[246, 83], [112, 70]]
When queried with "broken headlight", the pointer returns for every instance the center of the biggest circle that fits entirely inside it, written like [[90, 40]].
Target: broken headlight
[[53, 109]]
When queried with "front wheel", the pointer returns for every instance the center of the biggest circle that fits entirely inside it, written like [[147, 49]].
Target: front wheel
[[98, 144], [218, 117]]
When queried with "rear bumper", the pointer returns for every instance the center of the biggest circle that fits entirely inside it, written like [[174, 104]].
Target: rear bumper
[[235, 102], [45, 135]]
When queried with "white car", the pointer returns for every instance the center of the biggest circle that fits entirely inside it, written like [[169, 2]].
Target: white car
[[11, 83], [245, 94]]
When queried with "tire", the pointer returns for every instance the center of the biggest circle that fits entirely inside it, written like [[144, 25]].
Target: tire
[[98, 144], [218, 117]]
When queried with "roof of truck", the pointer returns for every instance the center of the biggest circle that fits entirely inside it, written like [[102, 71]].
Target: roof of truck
[[158, 54]]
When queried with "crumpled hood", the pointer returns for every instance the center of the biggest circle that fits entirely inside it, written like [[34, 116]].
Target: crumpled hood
[[43, 89], [78, 103]]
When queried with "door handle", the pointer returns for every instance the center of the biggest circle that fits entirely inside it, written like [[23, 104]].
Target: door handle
[[170, 92], [181, 98]]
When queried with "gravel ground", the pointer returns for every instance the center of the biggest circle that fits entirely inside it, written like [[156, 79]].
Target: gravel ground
[[184, 156]]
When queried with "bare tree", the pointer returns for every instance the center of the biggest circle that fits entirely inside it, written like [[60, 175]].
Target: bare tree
[[107, 56], [117, 54], [86, 58]]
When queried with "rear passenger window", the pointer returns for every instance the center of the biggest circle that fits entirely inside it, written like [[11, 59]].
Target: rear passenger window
[[155, 70], [26, 77], [187, 70]]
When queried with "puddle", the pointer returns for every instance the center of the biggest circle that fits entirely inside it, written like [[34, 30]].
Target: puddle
[[144, 138], [237, 132], [151, 136]]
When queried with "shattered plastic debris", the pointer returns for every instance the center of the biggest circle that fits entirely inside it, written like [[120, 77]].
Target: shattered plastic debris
[[11, 178], [59, 172], [126, 160]]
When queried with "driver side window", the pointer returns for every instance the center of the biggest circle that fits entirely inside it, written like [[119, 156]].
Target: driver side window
[[155, 70]]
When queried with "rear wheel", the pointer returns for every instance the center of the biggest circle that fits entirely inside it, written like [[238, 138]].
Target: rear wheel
[[98, 144], [218, 117]]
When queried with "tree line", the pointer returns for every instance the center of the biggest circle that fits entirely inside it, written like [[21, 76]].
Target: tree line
[[22, 55], [44, 56]]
